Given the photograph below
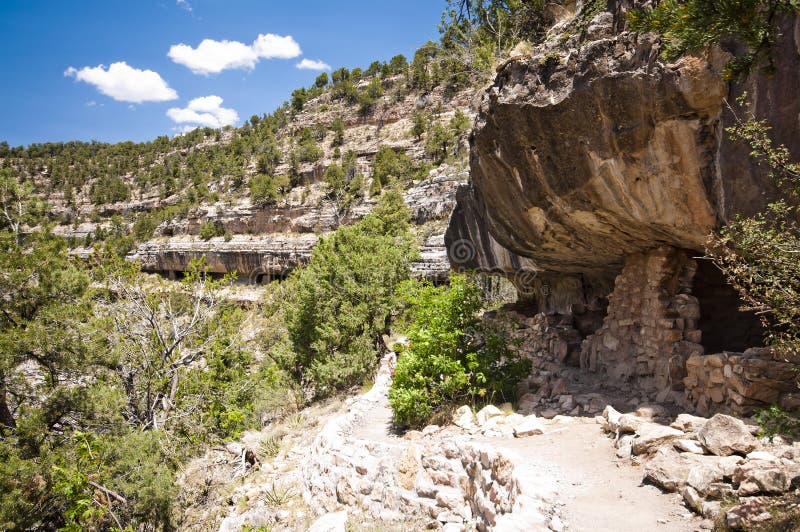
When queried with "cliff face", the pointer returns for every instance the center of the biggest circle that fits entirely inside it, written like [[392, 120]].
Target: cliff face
[[597, 173], [269, 243], [583, 156]]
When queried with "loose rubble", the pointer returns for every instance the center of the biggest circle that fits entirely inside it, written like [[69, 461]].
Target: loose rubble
[[709, 462]]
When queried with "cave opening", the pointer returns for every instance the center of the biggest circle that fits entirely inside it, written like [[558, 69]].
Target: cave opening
[[266, 278], [724, 325]]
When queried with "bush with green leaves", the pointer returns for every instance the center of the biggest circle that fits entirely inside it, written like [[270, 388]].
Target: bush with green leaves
[[340, 304], [453, 357], [308, 151], [392, 167], [758, 254], [693, 25], [211, 229], [267, 189]]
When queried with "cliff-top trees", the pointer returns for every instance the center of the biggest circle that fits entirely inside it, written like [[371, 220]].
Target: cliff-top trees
[[692, 25]]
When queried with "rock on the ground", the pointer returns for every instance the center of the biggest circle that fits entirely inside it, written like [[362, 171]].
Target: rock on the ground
[[762, 455], [331, 522], [688, 423], [611, 417], [670, 469], [703, 475], [725, 435], [529, 426], [488, 412], [464, 417], [693, 499], [688, 446], [650, 436], [761, 476], [630, 423]]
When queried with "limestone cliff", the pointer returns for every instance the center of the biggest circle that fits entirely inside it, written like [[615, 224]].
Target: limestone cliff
[[597, 173], [586, 152]]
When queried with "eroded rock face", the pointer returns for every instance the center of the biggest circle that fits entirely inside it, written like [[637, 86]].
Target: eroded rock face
[[602, 170], [581, 158]]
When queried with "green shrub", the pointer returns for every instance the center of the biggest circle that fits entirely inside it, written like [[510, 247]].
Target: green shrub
[[340, 303], [453, 357], [392, 166], [210, 230], [265, 189], [692, 25], [308, 151], [338, 131], [775, 421]]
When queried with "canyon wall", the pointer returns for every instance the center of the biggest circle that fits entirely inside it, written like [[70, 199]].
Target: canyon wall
[[598, 172]]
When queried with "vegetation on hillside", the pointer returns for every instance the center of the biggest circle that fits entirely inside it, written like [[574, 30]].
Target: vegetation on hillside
[[340, 305], [110, 379]]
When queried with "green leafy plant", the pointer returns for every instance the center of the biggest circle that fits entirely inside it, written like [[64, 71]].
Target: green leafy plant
[[340, 303], [453, 356], [758, 254], [693, 25], [775, 421], [278, 495]]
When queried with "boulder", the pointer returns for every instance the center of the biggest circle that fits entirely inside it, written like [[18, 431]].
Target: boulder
[[529, 426], [464, 417], [693, 499], [762, 455], [631, 423], [650, 436], [725, 435], [611, 417], [760, 476], [488, 412], [688, 446], [669, 469], [497, 426], [688, 423], [704, 475]]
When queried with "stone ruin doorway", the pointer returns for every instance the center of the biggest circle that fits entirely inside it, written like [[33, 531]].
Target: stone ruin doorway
[[723, 323]]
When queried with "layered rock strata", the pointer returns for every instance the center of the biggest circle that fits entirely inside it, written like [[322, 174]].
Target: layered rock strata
[[602, 170]]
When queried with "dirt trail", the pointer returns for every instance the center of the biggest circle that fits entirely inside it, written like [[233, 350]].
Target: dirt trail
[[574, 462], [597, 492]]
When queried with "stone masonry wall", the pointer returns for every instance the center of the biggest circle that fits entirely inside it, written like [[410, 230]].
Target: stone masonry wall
[[652, 326], [649, 344], [739, 383], [454, 480]]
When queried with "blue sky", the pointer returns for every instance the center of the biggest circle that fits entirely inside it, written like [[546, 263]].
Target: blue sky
[[52, 52]]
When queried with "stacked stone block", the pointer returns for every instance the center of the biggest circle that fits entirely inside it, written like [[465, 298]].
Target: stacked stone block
[[652, 326], [739, 383]]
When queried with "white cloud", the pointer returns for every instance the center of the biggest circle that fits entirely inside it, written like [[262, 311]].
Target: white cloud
[[212, 57], [184, 4], [311, 64], [125, 83], [270, 46], [206, 111]]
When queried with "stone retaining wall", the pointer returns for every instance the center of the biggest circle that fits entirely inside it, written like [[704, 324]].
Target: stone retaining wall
[[452, 480], [739, 383]]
